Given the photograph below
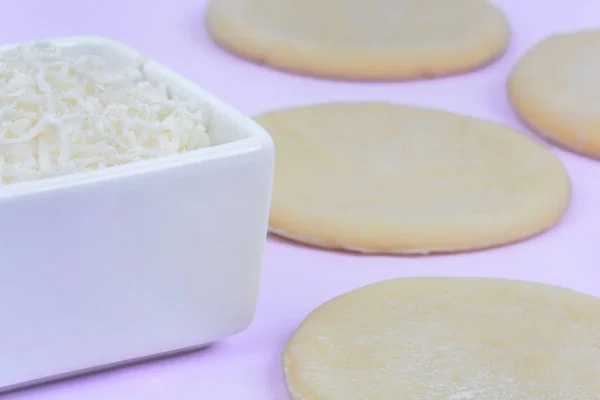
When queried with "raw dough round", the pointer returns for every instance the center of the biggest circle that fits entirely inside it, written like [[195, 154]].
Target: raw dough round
[[448, 339], [555, 89], [359, 39], [384, 178]]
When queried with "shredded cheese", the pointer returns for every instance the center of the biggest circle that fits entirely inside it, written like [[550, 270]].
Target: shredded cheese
[[61, 114]]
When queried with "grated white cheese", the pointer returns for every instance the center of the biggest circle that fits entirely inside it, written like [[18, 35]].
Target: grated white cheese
[[61, 113]]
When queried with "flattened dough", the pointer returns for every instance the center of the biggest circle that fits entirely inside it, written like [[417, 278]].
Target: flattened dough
[[448, 339], [384, 178], [359, 39], [555, 89]]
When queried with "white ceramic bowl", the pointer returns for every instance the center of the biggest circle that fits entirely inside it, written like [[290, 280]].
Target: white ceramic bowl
[[153, 257]]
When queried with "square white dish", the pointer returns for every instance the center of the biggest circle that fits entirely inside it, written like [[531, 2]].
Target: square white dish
[[115, 265]]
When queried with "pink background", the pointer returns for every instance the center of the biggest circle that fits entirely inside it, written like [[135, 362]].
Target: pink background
[[297, 279]]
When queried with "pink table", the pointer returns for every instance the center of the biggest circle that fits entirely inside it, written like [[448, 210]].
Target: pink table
[[297, 279]]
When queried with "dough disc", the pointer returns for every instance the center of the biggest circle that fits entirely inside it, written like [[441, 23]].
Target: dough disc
[[358, 39], [383, 178], [555, 89], [448, 339]]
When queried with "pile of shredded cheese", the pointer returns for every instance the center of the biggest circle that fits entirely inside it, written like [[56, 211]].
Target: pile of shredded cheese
[[62, 114]]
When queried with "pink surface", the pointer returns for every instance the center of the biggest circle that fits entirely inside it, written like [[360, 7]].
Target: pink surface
[[297, 279]]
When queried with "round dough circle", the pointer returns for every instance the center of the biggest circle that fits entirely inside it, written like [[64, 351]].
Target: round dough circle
[[555, 89], [448, 339], [384, 178], [356, 39]]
